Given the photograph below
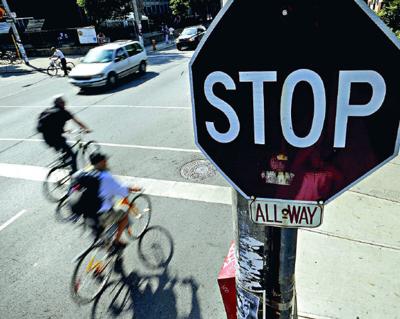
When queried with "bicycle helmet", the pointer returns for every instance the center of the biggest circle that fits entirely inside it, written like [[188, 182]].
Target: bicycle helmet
[[97, 157]]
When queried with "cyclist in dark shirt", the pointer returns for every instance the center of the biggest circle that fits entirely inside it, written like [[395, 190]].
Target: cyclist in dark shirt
[[53, 135]]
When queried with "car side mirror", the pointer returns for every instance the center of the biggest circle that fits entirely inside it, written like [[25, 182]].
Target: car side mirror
[[118, 58]]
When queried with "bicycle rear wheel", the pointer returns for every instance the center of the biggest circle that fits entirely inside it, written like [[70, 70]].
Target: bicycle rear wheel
[[56, 184], [70, 66], [139, 215], [91, 274], [52, 70], [85, 151]]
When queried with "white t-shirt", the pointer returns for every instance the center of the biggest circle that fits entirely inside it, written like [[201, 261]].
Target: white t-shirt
[[58, 54], [110, 188]]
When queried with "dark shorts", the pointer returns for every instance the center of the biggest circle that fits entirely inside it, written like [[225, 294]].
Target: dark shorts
[[55, 141]]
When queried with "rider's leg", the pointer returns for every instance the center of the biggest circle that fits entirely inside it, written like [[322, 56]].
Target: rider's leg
[[122, 225], [64, 66], [70, 153]]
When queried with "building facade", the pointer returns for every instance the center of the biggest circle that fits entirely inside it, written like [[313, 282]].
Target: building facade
[[156, 8]]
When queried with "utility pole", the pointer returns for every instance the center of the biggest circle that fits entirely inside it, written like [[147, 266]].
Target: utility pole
[[266, 258], [137, 16], [20, 46]]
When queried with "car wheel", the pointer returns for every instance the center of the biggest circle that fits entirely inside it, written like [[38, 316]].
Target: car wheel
[[112, 80], [142, 67]]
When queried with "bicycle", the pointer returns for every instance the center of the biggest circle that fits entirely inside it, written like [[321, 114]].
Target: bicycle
[[96, 264], [56, 183], [55, 65], [9, 57]]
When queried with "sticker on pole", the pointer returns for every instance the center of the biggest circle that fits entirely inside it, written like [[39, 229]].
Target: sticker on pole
[[286, 214]]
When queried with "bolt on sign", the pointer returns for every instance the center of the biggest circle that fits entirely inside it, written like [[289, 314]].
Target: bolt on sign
[[296, 100]]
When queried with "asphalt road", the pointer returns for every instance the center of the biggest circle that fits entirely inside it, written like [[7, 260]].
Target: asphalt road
[[347, 268], [145, 124]]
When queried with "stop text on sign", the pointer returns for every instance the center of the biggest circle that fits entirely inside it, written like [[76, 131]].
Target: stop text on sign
[[344, 110], [286, 214]]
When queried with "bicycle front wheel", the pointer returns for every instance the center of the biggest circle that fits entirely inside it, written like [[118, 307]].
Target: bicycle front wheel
[[56, 184], [52, 70], [85, 151], [91, 274], [139, 215], [156, 247]]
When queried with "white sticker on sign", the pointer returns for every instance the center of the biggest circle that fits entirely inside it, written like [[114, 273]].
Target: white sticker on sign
[[286, 214]]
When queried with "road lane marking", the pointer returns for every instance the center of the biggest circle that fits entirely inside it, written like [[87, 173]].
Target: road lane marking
[[12, 219], [99, 106], [163, 188], [155, 187], [156, 148]]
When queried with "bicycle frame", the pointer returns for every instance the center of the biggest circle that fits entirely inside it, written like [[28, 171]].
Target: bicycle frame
[[107, 235], [61, 159]]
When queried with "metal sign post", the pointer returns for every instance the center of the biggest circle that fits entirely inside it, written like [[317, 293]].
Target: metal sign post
[[18, 41], [266, 258]]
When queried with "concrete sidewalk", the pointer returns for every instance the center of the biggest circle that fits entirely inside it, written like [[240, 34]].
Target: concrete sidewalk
[[348, 267], [40, 64]]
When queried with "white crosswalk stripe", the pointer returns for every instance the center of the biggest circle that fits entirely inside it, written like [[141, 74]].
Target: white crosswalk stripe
[[155, 187]]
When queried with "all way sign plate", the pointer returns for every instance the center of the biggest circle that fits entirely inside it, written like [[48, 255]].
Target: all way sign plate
[[286, 214]]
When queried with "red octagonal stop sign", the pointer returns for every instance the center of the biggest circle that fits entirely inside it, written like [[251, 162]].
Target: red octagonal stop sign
[[296, 100]]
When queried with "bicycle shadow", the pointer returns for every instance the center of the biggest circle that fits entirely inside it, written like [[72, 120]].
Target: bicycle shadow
[[147, 295]]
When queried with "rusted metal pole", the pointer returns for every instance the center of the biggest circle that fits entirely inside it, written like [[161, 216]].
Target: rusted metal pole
[[20, 46]]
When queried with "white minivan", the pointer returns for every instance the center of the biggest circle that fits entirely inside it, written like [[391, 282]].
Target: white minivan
[[105, 64]]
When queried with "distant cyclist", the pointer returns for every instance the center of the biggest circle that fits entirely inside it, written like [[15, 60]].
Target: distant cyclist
[[51, 124], [57, 54]]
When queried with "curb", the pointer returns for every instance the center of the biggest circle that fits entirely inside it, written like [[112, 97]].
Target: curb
[[13, 70], [149, 49]]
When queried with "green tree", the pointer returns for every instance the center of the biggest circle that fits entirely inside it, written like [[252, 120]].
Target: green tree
[[99, 10], [179, 7], [390, 14], [199, 7]]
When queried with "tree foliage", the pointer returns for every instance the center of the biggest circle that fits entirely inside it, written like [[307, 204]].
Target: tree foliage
[[199, 7], [390, 14], [99, 10], [179, 7]]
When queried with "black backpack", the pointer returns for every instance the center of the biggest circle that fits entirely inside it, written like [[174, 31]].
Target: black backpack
[[83, 194], [47, 121]]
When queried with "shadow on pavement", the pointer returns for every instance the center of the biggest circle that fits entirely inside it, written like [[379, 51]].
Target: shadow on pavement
[[11, 70], [150, 295], [123, 84], [165, 58], [146, 297]]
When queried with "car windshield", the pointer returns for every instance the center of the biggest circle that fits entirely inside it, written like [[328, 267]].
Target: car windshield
[[98, 56], [189, 31]]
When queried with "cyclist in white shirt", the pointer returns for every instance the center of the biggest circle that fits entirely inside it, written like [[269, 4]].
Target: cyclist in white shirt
[[57, 53], [108, 190]]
